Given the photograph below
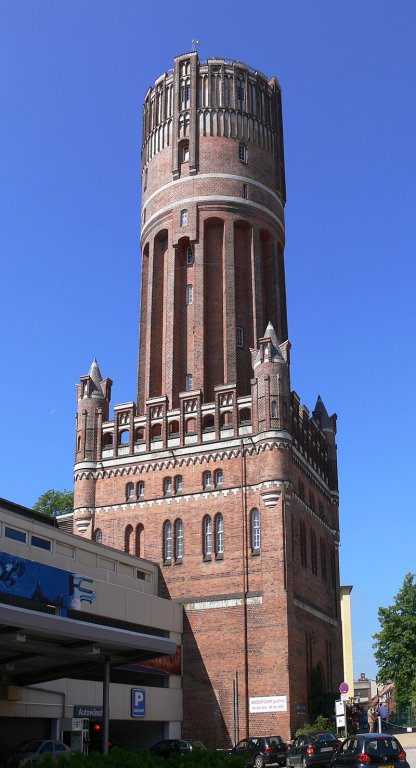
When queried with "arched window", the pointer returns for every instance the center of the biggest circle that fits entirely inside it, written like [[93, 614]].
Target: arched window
[[226, 420], [167, 486], [123, 437], [273, 409], [98, 536], [130, 492], [177, 484], [178, 539], [185, 153], [190, 427], [245, 416], [167, 540], [139, 435], [219, 534], [242, 153], [255, 529], [156, 431], [189, 294], [314, 557], [188, 382], [140, 489], [184, 217], [208, 422], [206, 479], [218, 477], [173, 428], [323, 560], [185, 92], [207, 536], [128, 539], [302, 540], [139, 544]]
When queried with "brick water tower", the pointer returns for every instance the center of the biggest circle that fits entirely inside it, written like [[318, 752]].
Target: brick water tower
[[216, 471]]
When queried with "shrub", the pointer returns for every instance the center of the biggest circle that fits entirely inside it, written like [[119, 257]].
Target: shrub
[[320, 724]]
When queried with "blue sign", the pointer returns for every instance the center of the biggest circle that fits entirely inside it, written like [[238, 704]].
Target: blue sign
[[138, 702], [43, 583]]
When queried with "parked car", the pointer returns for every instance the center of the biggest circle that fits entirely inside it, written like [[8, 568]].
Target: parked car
[[315, 748], [261, 750], [168, 747], [34, 750], [370, 749]]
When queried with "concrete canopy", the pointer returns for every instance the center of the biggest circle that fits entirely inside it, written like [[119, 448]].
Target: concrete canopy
[[37, 646]]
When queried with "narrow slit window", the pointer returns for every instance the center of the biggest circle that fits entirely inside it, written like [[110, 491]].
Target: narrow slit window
[[242, 153]]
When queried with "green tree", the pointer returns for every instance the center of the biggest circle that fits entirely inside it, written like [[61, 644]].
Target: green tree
[[55, 502], [395, 644]]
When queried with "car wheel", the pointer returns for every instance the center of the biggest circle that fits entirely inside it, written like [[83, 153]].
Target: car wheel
[[258, 762]]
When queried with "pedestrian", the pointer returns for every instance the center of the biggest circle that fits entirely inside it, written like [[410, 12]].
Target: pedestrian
[[371, 719], [383, 711]]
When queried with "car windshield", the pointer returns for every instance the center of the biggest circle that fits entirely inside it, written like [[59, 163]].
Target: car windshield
[[29, 746], [276, 740], [324, 736]]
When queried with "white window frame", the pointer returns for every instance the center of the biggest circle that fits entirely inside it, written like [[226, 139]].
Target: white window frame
[[207, 536], [189, 382], [189, 294], [184, 217], [242, 153], [167, 486], [167, 540], [219, 534], [218, 477], [255, 529], [206, 479], [185, 153], [178, 539], [140, 489]]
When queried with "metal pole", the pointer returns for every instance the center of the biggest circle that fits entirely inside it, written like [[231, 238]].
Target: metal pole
[[106, 708], [236, 709]]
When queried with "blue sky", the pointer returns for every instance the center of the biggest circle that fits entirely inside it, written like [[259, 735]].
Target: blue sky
[[73, 76]]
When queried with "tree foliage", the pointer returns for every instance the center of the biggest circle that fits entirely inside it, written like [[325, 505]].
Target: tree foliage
[[395, 644], [55, 502]]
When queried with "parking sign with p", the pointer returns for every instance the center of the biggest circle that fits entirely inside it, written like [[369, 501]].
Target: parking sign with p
[[138, 702]]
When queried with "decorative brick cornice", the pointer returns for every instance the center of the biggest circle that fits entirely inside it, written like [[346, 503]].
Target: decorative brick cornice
[[174, 462]]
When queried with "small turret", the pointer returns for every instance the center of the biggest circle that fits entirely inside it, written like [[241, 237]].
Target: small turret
[[93, 399], [271, 385]]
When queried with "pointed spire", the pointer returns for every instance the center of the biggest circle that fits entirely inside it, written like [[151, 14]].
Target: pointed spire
[[320, 414], [271, 334], [95, 375]]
